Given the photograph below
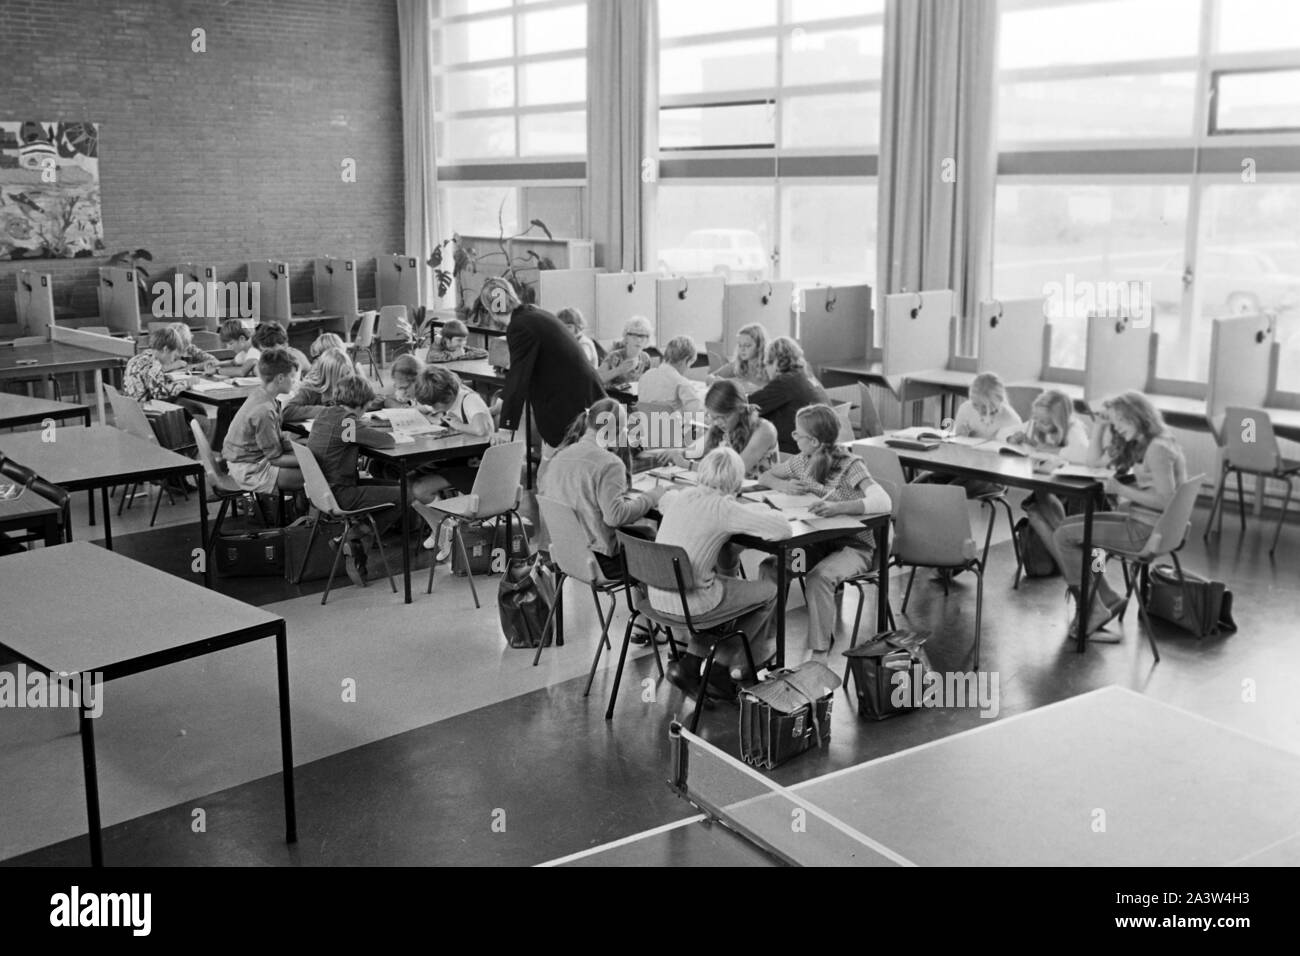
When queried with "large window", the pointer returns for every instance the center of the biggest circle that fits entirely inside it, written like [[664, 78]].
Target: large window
[[510, 115], [768, 126], [1155, 143]]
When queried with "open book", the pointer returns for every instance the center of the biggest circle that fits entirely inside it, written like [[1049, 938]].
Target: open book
[[208, 385], [1083, 471], [407, 421]]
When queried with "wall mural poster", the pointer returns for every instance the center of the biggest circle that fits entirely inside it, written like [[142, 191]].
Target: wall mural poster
[[49, 190]]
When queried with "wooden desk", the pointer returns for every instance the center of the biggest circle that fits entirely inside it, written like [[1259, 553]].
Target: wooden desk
[[18, 410], [83, 458], [967, 462], [56, 358], [30, 512], [418, 452], [107, 615]]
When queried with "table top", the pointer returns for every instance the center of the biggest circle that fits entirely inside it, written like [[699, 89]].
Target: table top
[[231, 394], [432, 449], [15, 408], [71, 629], [50, 355], [82, 457], [476, 370], [987, 464], [28, 505], [854, 367]]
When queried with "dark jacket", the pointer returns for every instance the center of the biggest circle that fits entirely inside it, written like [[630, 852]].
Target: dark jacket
[[780, 400], [547, 370]]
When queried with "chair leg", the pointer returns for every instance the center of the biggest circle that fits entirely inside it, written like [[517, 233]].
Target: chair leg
[[338, 555], [618, 671], [1216, 505], [1277, 532], [1146, 624], [128, 492], [979, 610], [1241, 502], [157, 501], [216, 529], [704, 683], [907, 595], [464, 554], [1015, 545], [550, 621], [988, 537], [311, 541], [383, 555]]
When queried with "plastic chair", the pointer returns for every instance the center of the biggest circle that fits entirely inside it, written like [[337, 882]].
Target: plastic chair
[[668, 567], [934, 532], [322, 499], [1166, 540], [394, 326], [129, 416], [496, 493], [220, 484], [364, 343], [570, 550], [843, 411], [1021, 398], [871, 425], [1261, 457]]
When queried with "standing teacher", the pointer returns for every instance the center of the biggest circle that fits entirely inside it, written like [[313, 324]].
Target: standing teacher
[[547, 368]]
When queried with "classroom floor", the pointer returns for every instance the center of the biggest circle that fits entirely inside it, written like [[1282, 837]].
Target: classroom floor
[[458, 751]]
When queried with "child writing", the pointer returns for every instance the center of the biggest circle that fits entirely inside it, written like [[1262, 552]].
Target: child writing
[[316, 391], [450, 345], [1052, 429], [841, 480], [985, 414], [235, 336], [667, 384]]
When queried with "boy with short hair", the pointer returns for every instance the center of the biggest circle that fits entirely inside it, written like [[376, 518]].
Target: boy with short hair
[[450, 345], [258, 455], [271, 335], [234, 335]]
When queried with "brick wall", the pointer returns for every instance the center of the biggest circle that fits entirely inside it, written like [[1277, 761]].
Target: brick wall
[[225, 156]]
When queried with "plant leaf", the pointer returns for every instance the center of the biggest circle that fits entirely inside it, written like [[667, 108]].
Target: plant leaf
[[542, 226]]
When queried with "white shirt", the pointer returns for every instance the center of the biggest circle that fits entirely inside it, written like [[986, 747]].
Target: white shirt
[[665, 385]]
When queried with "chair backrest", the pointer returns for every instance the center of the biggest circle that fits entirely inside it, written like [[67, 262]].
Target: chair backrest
[[216, 477], [394, 323], [843, 412], [651, 563], [366, 330], [933, 528], [662, 425], [570, 546], [497, 483], [1021, 398], [883, 465], [1172, 526], [51, 493], [206, 340], [872, 427], [313, 478], [16, 472], [714, 350], [129, 416], [1249, 440]]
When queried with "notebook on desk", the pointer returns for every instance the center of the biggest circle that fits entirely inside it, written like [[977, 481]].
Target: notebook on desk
[[407, 421]]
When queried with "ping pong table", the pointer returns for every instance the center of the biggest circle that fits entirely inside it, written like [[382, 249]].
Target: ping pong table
[[1107, 778]]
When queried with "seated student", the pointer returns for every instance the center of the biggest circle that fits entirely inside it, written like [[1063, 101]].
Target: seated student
[[258, 456], [748, 367], [702, 520], [324, 342], [589, 478], [985, 414], [791, 387], [269, 335], [1054, 430], [574, 321], [450, 344], [145, 377], [316, 390], [336, 439], [1133, 439], [234, 335], [845, 486], [463, 410], [667, 384], [190, 354], [628, 362], [401, 394], [733, 423]]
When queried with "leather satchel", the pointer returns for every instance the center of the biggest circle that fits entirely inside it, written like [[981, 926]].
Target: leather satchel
[[786, 714]]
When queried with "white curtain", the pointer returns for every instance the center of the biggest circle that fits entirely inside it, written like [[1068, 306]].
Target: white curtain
[[622, 93], [419, 163], [938, 159]]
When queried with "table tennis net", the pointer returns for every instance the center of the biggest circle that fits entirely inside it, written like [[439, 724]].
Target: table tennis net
[[783, 823]]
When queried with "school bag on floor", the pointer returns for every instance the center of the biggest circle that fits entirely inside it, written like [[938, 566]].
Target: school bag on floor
[[524, 599], [1035, 560], [786, 714], [1205, 609], [875, 664]]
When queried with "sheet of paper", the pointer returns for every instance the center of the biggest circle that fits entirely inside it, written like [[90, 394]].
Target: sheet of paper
[[407, 421], [921, 432], [834, 522], [207, 385], [790, 503], [1083, 471], [970, 441], [247, 380]]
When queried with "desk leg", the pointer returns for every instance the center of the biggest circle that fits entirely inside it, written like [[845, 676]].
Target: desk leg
[[92, 785], [203, 528], [286, 734], [108, 518], [882, 578], [781, 585], [99, 398], [406, 543], [53, 529], [90, 499], [1084, 595]]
